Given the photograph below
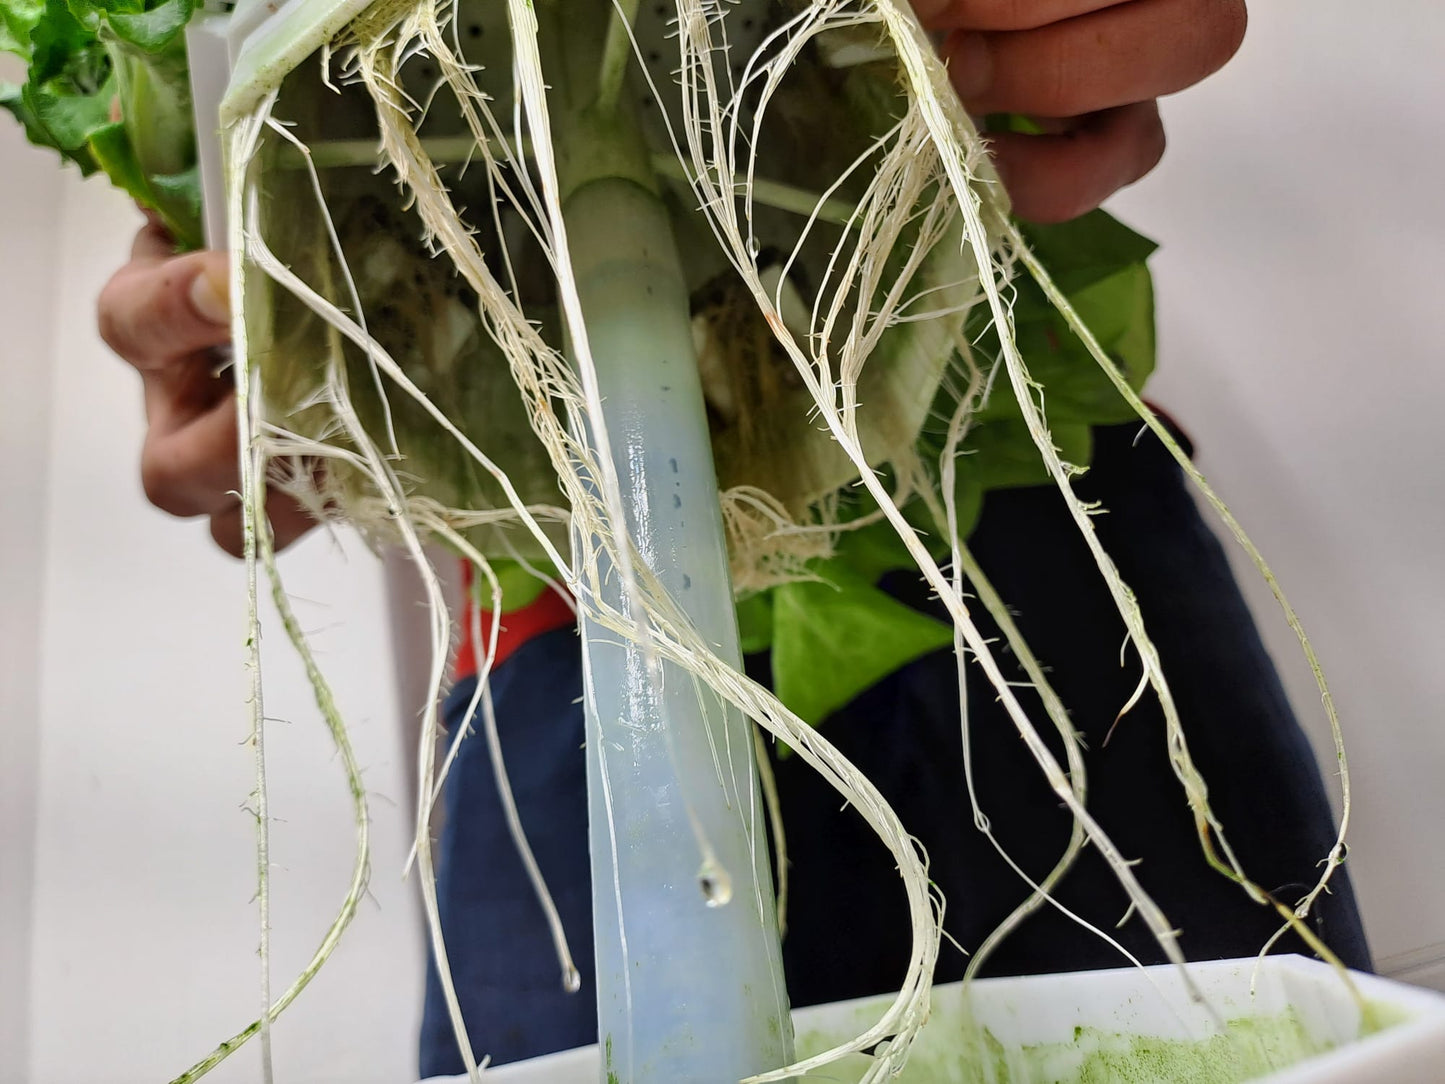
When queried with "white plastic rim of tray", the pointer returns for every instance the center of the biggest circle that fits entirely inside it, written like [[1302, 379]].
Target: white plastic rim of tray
[[1146, 1002]]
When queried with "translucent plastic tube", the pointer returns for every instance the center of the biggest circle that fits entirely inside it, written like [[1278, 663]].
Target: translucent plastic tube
[[690, 984]]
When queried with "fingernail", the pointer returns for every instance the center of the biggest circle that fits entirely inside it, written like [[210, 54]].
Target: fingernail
[[970, 65], [208, 295]]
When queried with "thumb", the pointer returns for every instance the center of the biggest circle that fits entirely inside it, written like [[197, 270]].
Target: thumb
[[155, 313], [210, 289]]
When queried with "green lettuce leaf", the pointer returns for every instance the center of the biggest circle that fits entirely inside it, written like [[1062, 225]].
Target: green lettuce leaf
[[18, 19], [755, 622], [1099, 264], [179, 196], [520, 586], [834, 638], [68, 85], [1001, 454], [70, 119], [85, 56], [1080, 252], [152, 30]]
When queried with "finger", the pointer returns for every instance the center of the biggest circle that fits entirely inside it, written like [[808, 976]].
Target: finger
[[1001, 14], [156, 311], [191, 469], [289, 521], [154, 242], [178, 393], [1115, 56], [1053, 178]]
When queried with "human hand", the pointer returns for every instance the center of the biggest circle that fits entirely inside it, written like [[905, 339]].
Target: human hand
[[1089, 72], [163, 314]]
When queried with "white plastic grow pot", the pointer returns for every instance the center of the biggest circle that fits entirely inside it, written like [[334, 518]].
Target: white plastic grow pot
[[1286, 1020]]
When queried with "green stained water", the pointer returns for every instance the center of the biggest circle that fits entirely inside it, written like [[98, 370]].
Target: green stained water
[[1248, 1048], [953, 1050]]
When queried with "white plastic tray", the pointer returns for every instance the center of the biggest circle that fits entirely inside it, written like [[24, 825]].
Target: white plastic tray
[[1131, 1026]]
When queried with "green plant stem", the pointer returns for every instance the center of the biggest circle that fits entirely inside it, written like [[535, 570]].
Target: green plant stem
[[616, 52]]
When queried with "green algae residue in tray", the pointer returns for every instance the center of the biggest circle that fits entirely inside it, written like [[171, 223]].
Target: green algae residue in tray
[[954, 1050]]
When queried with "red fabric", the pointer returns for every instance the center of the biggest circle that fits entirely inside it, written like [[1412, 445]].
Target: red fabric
[[550, 610]]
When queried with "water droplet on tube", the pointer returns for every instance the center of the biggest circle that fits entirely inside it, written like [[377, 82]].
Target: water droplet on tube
[[716, 883]]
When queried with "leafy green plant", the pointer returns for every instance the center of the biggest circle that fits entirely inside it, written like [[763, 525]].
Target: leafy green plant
[[108, 88]]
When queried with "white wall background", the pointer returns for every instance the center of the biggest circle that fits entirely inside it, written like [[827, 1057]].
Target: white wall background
[[129, 931], [1304, 237], [29, 206], [1301, 208]]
